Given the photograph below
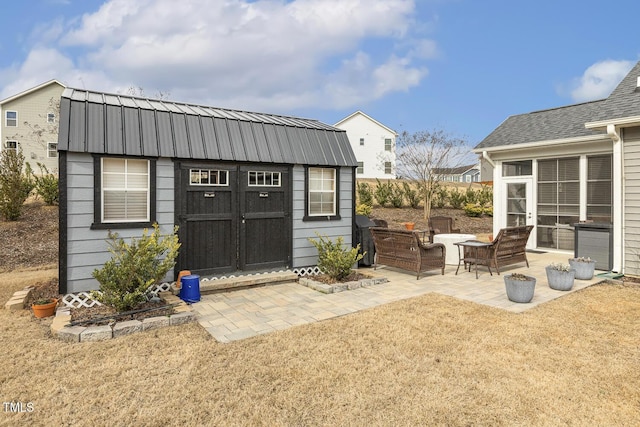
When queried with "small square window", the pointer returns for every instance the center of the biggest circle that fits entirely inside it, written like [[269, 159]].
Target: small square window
[[360, 169], [11, 118], [387, 144], [52, 150], [361, 141]]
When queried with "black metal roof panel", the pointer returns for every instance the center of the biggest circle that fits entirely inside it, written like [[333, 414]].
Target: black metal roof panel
[[93, 122]]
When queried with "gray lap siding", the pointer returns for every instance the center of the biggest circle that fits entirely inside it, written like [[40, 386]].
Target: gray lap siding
[[87, 249]]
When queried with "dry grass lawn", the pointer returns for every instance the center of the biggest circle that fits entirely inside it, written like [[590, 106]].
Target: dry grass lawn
[[432, 360]]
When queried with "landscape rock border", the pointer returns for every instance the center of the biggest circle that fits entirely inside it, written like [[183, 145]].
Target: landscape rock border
[[61, 329], [326, 288]]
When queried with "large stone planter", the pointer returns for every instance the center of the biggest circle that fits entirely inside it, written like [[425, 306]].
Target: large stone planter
[[560, 280], [584, 269], [520, 291]]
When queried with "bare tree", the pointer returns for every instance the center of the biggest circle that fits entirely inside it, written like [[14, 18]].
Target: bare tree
[[424, 157], [139, 92]]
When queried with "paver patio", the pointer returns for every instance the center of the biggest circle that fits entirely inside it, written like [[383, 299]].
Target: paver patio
[[244, 313]]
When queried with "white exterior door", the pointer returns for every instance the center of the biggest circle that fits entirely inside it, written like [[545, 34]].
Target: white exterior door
[[519, 204]]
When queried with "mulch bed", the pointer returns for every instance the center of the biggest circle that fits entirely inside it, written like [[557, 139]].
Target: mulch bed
[[353, 277], [96, 312]]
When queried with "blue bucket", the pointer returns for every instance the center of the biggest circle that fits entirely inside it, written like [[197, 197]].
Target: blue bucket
[[190, 289]]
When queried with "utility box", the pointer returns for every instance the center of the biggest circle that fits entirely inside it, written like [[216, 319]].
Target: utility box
[[595, 240]]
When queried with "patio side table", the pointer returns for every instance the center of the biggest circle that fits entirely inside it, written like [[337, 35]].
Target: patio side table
[[475, 259]]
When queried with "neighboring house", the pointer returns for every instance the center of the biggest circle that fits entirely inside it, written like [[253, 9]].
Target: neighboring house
[[30, 123], [556, 167], [468, 173], [373, 144], [246, 189]]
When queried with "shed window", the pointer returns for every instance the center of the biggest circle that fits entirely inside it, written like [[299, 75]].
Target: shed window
[[125, 190], [264, 179], [210, 177], [11, 118], [322, 192], [387, 144]]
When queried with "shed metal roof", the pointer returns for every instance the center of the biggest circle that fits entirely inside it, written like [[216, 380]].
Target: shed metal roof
[[101, 123]]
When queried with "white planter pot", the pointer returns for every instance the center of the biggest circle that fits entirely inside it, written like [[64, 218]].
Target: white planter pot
[[520, 290]]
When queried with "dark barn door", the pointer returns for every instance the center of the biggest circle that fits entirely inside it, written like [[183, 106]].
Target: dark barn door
[[265, 226], [232, 218]]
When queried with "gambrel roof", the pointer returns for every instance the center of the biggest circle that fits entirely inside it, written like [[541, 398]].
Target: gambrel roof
[[101, 123]]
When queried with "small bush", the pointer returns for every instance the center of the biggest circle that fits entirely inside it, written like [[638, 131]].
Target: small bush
[[46, 185], [457, 199], [334, 260], [488, 210], [383, 193], [365, 195], [473, 210], [397, 196], [134, 267], [471, 195], [413, 196], [485, 195], [15, 185], [363, 209], [441, 198]]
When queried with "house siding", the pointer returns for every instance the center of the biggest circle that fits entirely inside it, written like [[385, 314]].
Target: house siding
[[33, 108], [304, 253], [631, 138], [87, 249]]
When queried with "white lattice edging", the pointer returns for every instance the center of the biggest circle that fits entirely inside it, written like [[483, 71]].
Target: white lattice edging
[[84, 299]]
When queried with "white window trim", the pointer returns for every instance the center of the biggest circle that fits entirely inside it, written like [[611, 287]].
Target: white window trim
[[6, 118], [271, 173], [5, 146], [226, 184], [102, 190], [50, 150], [334, 192], [390, 144]]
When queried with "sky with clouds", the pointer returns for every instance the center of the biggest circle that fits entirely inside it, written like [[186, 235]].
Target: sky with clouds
[[458, 65]]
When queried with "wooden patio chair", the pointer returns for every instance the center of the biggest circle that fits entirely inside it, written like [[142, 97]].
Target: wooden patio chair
[[441, 225]]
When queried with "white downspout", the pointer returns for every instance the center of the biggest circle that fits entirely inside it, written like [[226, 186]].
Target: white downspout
[[485, 156], [618, 194]]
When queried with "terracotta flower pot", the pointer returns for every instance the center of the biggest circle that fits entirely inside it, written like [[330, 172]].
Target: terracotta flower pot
[[45, 310], [409, 225]]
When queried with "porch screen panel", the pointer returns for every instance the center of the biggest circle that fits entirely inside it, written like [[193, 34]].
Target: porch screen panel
[[558, 202], [599, 188]]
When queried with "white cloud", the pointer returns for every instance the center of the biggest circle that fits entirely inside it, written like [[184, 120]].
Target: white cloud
[[268, 54], [599, 80]]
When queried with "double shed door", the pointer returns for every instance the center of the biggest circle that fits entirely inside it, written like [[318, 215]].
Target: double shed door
[[233, 217]]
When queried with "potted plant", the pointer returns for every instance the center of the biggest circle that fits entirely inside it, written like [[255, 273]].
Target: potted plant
[[560, 276], [519, 287], [409, 225], [44, 307], [584, 266]]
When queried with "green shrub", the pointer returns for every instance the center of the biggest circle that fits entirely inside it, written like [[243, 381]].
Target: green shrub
[[334, 260], [414, 197], [383, 193], [488, 210], [363, 209], [441, 198], [485, 195], [134, 267], [46, 185], [15, 185], [397, 196], [471, 195], [365, 195], [473, 210], [457, 199]]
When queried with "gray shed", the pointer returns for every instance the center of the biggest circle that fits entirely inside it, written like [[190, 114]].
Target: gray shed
[[246, 189]]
